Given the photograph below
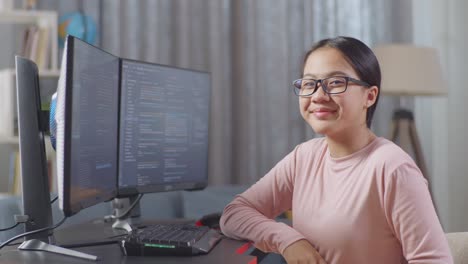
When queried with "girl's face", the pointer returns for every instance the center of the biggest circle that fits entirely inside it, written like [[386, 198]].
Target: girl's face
[[334, 114]]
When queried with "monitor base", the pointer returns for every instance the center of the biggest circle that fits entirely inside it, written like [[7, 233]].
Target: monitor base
[[124, 224], [38, 245]]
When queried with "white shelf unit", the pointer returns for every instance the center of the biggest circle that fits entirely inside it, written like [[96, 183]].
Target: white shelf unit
[[9, 130], [46, 21], [9, 140], [9, 112], [43, 19]]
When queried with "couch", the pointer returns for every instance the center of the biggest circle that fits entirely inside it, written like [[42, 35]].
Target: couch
[[458, 243]]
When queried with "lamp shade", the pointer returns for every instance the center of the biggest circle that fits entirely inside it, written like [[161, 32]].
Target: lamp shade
[[410, 70]]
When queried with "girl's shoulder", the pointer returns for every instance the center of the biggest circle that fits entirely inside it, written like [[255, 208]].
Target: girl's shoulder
[[389, 155]]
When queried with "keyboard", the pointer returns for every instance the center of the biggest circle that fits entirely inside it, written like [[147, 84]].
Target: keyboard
[[170, 240]]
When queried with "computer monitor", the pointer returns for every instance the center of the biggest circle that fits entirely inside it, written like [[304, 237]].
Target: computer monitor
[[35, 181], [87, 127], [164, 122], [128, 127]]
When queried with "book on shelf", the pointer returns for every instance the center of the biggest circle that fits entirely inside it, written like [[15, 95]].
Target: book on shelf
[[28, 39], [36, 44], [16, 170], [42, 53]]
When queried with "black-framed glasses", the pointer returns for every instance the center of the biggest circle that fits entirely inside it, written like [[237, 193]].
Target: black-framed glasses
[[330, 85]]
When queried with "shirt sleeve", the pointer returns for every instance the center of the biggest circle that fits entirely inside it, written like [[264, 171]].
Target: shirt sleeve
[[251, 214], [413, 219]]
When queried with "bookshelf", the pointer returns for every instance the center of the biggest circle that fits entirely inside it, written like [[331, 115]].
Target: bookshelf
[[8, 108], [45, 20], [45, 56], [44, 51]]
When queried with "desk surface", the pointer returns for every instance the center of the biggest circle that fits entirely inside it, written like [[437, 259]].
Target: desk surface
[[224, 252]]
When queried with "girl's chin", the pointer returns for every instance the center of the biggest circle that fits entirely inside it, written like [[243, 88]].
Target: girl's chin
[[323, 129]]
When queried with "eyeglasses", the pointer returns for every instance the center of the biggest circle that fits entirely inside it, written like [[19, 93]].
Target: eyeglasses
[[330, 85]]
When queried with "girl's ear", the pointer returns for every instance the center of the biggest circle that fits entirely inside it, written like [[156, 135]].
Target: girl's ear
[[372, 94]]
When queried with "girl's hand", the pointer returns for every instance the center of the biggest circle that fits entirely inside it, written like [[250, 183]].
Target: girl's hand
[[302, 252]]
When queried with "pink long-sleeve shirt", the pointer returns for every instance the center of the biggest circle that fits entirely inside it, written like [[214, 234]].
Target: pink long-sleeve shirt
[[372, 206]]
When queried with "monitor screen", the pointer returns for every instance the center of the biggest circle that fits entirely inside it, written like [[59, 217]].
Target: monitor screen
[[164, 122], [87, 126]]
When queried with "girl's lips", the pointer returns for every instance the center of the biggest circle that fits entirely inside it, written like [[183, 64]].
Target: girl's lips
[[323, 113]]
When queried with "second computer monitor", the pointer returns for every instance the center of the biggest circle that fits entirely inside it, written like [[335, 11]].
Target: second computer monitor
[[87, 126], [163, 134]]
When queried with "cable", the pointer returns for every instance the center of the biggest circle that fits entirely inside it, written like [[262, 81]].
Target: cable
[[19, 219], [32, 233], [23, 221], [125, 214], [53, 200], [15, 244], [11, 227]]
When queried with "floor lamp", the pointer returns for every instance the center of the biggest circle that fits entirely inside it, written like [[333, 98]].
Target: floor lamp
[[409, 70]]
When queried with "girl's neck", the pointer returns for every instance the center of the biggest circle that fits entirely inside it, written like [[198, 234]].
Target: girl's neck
[[346, 144]]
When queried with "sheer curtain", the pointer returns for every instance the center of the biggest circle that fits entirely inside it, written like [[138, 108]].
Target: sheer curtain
[[254, 49], [443, 120]]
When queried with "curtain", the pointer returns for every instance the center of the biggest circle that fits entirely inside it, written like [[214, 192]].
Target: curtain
[[253, 49], [443, 120]]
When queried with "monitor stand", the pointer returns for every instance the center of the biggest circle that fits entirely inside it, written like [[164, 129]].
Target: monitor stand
[[38, 245], [121, 206], [107, 230]]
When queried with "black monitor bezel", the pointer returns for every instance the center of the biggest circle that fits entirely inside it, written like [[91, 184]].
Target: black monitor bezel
[[34, 172], [70, 208], [154, 188]]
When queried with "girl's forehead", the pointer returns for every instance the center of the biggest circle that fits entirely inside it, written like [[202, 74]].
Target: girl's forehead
[[325, 61]]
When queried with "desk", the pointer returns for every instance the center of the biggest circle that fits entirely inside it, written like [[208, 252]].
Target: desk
[[224, 252]]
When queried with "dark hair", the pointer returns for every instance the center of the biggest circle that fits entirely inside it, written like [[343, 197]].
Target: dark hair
[[361, 58]]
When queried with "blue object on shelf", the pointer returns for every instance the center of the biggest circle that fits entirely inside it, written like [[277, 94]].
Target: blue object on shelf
[[79, 25]]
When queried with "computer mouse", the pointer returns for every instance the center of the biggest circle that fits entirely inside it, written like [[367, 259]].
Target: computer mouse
[[210, 220]]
